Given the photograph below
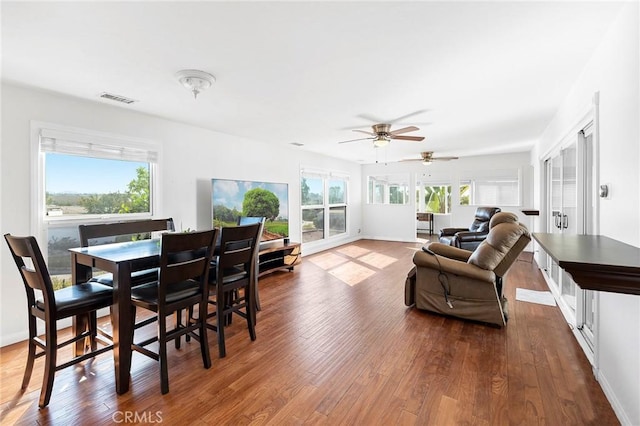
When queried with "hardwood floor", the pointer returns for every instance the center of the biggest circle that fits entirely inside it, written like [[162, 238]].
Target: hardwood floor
[[336, 345]]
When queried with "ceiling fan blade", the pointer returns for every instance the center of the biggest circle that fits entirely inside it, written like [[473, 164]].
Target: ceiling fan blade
[[404, 130], [444, 158], [370, 118], [412, 159], [355, 140], [411, 114], [364, 131], [408, 138]]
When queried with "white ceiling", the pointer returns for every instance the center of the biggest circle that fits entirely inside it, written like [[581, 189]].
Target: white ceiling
[[475, 77]]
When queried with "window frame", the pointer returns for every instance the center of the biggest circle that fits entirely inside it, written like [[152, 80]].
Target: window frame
[[387, 182], [475, 178], [40, 222], [326, 176], [421, 204]]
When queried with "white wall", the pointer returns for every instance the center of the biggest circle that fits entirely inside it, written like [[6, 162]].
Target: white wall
[[191, 156], [614, 72], [398, 222]]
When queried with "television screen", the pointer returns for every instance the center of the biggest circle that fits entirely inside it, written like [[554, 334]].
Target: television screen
[[231, 199]]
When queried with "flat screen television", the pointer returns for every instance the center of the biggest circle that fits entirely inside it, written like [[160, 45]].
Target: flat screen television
[[231, 199]]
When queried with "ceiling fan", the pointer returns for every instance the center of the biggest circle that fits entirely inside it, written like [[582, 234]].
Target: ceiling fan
[[427, 158], [382, 135]]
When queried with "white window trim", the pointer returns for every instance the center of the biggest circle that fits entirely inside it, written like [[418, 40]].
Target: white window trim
[[497, 174], [399, 180], [37, 173], [421, 184], [327, 175]]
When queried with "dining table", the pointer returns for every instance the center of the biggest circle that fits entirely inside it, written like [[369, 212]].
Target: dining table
[[120, 259]]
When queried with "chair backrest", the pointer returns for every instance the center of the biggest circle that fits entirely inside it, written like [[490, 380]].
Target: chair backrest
[[35, 276], [185, 256], [238, 246], [482, 217], [506, 239], [116, 229], [249, 220]]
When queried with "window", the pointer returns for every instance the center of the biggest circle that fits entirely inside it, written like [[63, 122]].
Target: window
[[490, 187], [87, 177], [392, 189], [433, 197], [324, 205]]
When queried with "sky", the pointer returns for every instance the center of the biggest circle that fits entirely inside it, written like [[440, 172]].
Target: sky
[[82, 175]]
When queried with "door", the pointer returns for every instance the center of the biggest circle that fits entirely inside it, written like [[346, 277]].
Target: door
[[571, 208], [563, 198], [587, 299]]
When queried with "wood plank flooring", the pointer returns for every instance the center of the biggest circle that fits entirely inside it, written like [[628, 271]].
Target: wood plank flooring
[[341, 348]]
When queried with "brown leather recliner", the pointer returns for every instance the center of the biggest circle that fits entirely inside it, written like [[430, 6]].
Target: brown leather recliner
[[471, 237], [464, 284]]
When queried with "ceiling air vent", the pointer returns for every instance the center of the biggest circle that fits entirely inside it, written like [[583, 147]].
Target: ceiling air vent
[[117, 98], [297, 144]]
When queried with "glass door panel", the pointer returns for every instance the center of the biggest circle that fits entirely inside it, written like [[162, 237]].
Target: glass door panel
[[569, 217]]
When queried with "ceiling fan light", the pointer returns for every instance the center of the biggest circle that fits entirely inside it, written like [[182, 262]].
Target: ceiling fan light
[[380, 141], [427, 162]]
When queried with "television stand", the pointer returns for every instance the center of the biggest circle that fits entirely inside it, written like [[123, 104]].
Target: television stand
[[278, 256]]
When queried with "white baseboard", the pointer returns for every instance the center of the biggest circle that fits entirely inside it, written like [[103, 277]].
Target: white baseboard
[[613, 400]]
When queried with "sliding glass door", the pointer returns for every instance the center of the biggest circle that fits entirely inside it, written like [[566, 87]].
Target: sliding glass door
[[570, 200]]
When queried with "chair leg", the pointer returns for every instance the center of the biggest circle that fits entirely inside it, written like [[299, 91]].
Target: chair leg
[[204, 341], [93, 330], [229, 297], [162, 353], [178, 322], [31, 356], [251, 312], [133, 330], [220, 321], [50, 363], [187, 338], [257, 295]]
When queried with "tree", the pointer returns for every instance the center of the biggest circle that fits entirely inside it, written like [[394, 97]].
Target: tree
[[465, 194], [260, 202], [103, 203], [437, 198], [138, 193], [304, 189], [134, 200], [224, 214]]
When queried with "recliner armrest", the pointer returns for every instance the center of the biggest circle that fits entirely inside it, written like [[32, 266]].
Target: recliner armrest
[[449, 251], [425, 260], [444, 232], [471, 236]]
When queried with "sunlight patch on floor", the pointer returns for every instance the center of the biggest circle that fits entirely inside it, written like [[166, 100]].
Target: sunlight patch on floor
[[353, 251], [377, 260], [351, 273], [351, 263], [328, 260]]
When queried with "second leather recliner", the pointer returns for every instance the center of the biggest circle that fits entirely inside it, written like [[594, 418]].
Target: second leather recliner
[[471, 237]]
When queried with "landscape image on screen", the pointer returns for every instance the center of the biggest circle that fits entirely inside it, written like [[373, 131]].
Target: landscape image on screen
[[231, 199]]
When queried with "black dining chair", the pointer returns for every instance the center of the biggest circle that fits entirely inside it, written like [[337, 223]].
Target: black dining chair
[[233, 283], [182, 284], [81, 300], [249, 220], [103, 233]]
